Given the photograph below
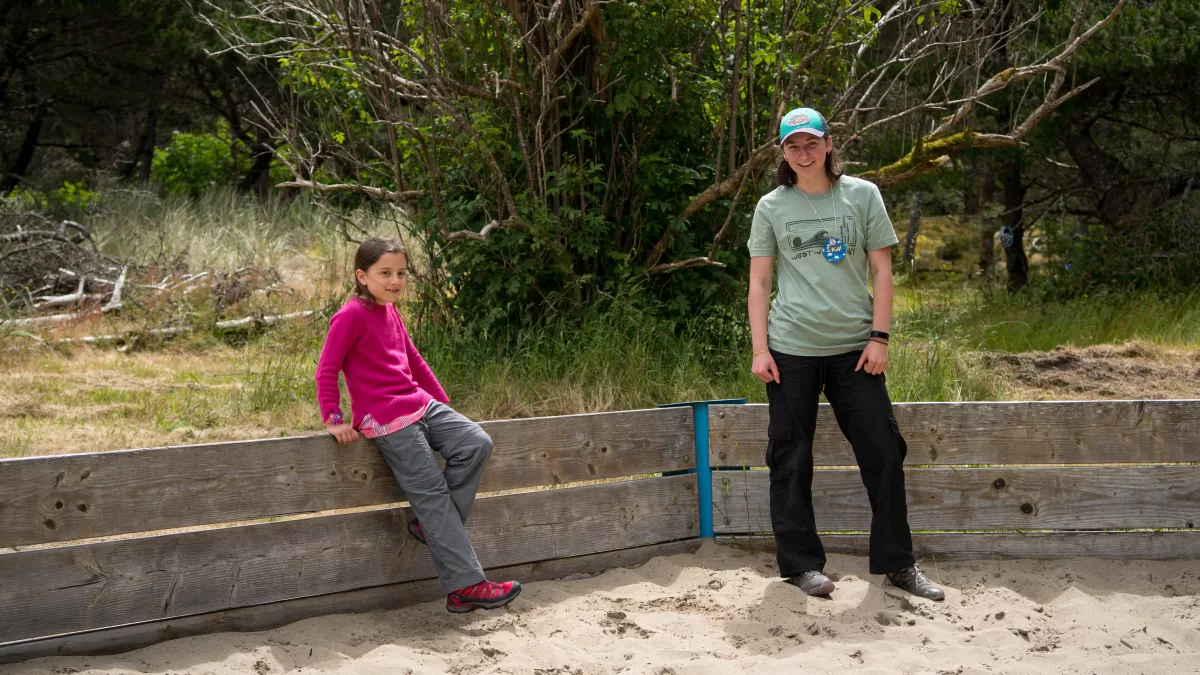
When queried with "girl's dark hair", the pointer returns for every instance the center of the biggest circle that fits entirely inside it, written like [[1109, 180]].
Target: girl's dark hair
[[833, 166], [369, 253]]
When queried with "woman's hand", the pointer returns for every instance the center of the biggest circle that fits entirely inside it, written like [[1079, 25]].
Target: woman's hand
[[764, 368], [344, 433], [874, 358]]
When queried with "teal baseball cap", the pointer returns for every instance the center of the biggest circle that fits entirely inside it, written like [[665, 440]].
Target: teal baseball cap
[[802, 120]]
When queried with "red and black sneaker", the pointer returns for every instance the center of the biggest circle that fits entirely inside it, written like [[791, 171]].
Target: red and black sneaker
[[414, 528], [483, 595]]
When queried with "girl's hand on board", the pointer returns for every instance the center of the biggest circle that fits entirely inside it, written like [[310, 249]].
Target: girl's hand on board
[[764, 368], [874, 358], [344, 433]]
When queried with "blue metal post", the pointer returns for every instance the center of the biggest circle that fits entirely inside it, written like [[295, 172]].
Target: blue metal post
[[703, 469]]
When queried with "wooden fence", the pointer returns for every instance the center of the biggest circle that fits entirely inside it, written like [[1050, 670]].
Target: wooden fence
[[1021, 480], [105, 552]]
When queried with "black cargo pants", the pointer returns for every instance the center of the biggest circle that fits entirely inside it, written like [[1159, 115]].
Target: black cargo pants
[[864, 412]]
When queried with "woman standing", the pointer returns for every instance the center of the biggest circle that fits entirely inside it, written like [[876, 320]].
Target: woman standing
[[826, 333]]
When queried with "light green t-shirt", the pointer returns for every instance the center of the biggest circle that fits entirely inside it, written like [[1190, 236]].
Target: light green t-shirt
[[822, 308]]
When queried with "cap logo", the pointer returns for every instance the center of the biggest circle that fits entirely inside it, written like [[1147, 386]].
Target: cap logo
[[798, 119]]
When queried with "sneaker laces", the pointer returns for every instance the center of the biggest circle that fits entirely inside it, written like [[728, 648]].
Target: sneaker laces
[[914, 576], [484, 590]]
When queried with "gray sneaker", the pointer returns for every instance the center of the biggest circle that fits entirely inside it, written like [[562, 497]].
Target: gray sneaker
[[814, 583], [913, 580]]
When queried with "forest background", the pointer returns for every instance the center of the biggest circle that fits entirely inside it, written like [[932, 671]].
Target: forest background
[[184, 185]]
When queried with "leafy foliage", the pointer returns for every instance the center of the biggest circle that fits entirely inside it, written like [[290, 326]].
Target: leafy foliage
[[194, 163]]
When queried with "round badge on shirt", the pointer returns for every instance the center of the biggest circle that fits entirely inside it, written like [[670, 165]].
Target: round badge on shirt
[[835, 250]]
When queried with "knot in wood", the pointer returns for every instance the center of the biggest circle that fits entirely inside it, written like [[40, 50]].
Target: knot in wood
[[1027, 508], [999, 483]]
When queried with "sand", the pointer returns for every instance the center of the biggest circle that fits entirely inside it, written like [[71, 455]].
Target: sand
[[722, 610]]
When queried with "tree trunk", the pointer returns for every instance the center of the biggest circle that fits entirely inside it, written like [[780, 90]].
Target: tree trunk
[[12, 177], [144, 157], [914, 224], [735, 89], [1014, 214], [258, 178], [985, 181], [1104, 173], [971, 190], [982, 187], [987, 246]]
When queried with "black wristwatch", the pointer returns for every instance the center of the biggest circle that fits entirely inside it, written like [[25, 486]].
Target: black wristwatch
[[879, 334]]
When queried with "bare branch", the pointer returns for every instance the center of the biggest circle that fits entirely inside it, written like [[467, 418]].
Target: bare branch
[[378, 193], [1010, 76], [728, 218], [1049, 105], [930, 155], [683, 264], [712, 193], [589, 12], [512, 223]]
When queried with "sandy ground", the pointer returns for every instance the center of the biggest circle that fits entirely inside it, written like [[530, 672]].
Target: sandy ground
[[723, 611]]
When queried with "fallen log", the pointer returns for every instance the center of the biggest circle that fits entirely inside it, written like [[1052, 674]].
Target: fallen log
[[252, 321], [114, 302], [229, 325], [50, 301]]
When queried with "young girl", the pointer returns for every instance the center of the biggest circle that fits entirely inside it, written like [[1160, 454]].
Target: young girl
[[826, 333], [399, 404]]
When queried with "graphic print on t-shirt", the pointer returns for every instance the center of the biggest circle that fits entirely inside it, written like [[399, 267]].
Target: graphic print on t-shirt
[[808, 237]]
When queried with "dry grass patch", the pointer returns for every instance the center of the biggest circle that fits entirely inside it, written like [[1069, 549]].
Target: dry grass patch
[[90, 399], [1134, 370]]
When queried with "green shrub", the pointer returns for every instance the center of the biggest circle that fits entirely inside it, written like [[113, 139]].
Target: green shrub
[[191, 164]]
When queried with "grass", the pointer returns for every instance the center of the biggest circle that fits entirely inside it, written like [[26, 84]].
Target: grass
[[223, 230], [212, 387], [620, 358], [162, 397], [95, 398], [1016, 324]]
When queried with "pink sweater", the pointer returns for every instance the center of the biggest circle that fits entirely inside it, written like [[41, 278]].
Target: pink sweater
[[385, 374]]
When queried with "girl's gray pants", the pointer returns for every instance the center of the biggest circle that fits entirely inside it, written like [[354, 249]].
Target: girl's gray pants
[[441, 499]]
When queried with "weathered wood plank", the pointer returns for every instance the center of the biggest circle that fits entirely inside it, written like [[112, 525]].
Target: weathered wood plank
[[273, 615], [1174, 545], [1033, 432], [66, 497], [1018, 498], [82, 587]]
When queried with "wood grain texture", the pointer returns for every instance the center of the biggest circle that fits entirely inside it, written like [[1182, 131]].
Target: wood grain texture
[[273, 615], [1034, 432], [1176, 545], [1019, 498], [82, 587], [66, 497]]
